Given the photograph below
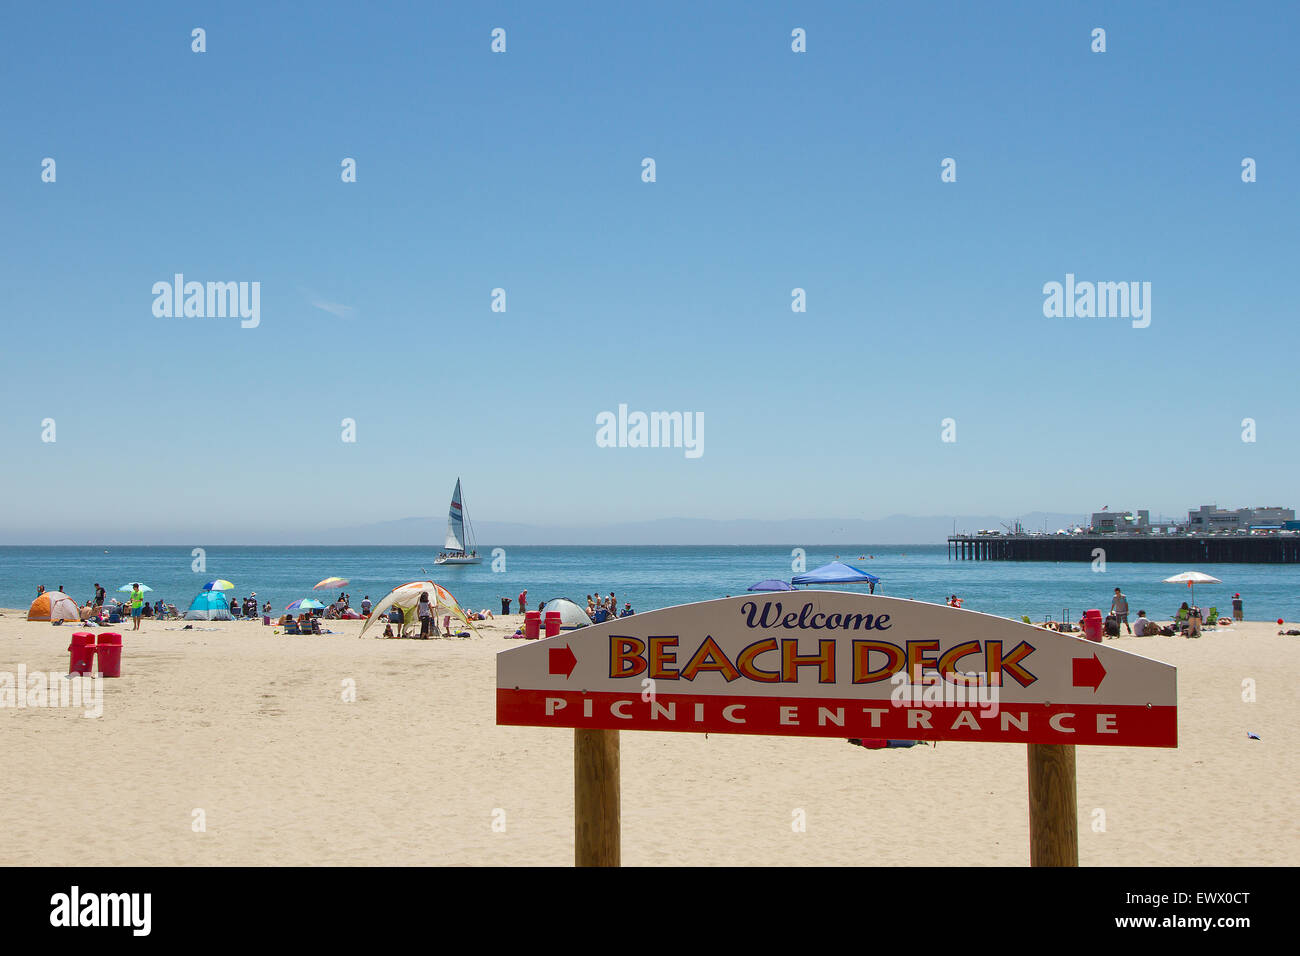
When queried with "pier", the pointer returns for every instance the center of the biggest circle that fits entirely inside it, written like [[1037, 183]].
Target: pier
[[1161, 549]]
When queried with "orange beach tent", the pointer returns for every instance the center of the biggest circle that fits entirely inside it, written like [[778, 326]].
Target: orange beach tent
[[54, 606]]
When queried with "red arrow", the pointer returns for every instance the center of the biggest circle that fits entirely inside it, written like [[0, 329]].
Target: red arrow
[[1088, 672], [562, 661]]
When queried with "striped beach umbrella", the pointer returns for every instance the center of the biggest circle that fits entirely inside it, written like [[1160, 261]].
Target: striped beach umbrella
[[220, 584], [330, 584], [304, 604]]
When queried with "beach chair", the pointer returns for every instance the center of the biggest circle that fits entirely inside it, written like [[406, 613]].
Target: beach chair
[[1212, 617], [291, 627]]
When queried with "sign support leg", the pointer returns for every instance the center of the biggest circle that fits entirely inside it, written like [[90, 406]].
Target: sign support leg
[[596, 797], [1053, 806]]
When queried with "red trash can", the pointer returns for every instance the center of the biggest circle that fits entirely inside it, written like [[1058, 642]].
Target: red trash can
[[552, 623], [532, 624], [110, 654], [83, 653], [1092, 625]]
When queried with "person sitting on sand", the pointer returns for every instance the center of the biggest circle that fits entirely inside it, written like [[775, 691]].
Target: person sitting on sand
[[1142, 627], [627, 610]]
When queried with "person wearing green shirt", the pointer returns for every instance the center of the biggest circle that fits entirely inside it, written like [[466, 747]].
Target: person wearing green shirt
[[137, 606]]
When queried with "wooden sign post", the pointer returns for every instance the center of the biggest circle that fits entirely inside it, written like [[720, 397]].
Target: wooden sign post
[[837, 664], [1053, 806], [596, 790]]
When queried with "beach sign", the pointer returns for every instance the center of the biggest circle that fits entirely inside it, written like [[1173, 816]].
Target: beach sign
[[839, 664]]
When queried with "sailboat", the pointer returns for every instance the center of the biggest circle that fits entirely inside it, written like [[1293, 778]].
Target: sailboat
[[459, 546]]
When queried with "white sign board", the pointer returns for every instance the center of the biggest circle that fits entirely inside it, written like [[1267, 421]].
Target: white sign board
[[838, 664]]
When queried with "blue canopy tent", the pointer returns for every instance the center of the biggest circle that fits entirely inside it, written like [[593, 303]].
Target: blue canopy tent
[[837, 572], [771, 584]]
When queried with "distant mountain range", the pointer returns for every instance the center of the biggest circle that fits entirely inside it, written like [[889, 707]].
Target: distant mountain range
[[896, 529]]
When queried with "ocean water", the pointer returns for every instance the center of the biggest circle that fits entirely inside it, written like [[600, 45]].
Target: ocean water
[[648, 576]]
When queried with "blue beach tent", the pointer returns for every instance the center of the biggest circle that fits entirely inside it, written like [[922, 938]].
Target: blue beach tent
[[209, 606], [837, 572]]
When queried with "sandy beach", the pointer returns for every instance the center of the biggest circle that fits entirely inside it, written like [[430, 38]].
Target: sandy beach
[[249, 732]]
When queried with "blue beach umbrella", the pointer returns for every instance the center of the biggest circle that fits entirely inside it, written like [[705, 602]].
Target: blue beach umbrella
[[304, 604], [771, 584], [220, 584], [131, 587]]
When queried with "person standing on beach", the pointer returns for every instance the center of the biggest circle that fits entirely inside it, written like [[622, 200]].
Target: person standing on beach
[[1119, 607], [137, 606], [99, 594], [505, 605], [1237, 612], [425, 610], [523, 601]]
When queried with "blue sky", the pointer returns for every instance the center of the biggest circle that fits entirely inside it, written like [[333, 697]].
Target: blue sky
[[522, 171]]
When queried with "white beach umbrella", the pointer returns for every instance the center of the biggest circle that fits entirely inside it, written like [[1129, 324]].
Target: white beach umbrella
[[1192, 578]]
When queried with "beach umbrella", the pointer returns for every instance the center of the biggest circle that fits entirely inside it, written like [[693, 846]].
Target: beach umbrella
[[131, 587], [220, 584], [330, 584], [1192, 578], [837, 572], [304, 604], [408, 595], [771, 584]]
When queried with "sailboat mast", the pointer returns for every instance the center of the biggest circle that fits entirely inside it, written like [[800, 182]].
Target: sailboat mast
[[464, 515]]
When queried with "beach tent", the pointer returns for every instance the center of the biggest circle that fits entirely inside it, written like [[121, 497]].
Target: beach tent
[[407, 596], [571, 615], [771, 584], [54, 606], [209, 606], [837, 572]]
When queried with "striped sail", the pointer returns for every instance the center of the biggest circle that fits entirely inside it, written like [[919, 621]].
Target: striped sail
[[456, 522]]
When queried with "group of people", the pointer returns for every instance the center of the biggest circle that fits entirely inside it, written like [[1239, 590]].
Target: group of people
[[342, 607], [248, 607], [1188, 619], [601, 609], [426, 612], [94, 610]]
